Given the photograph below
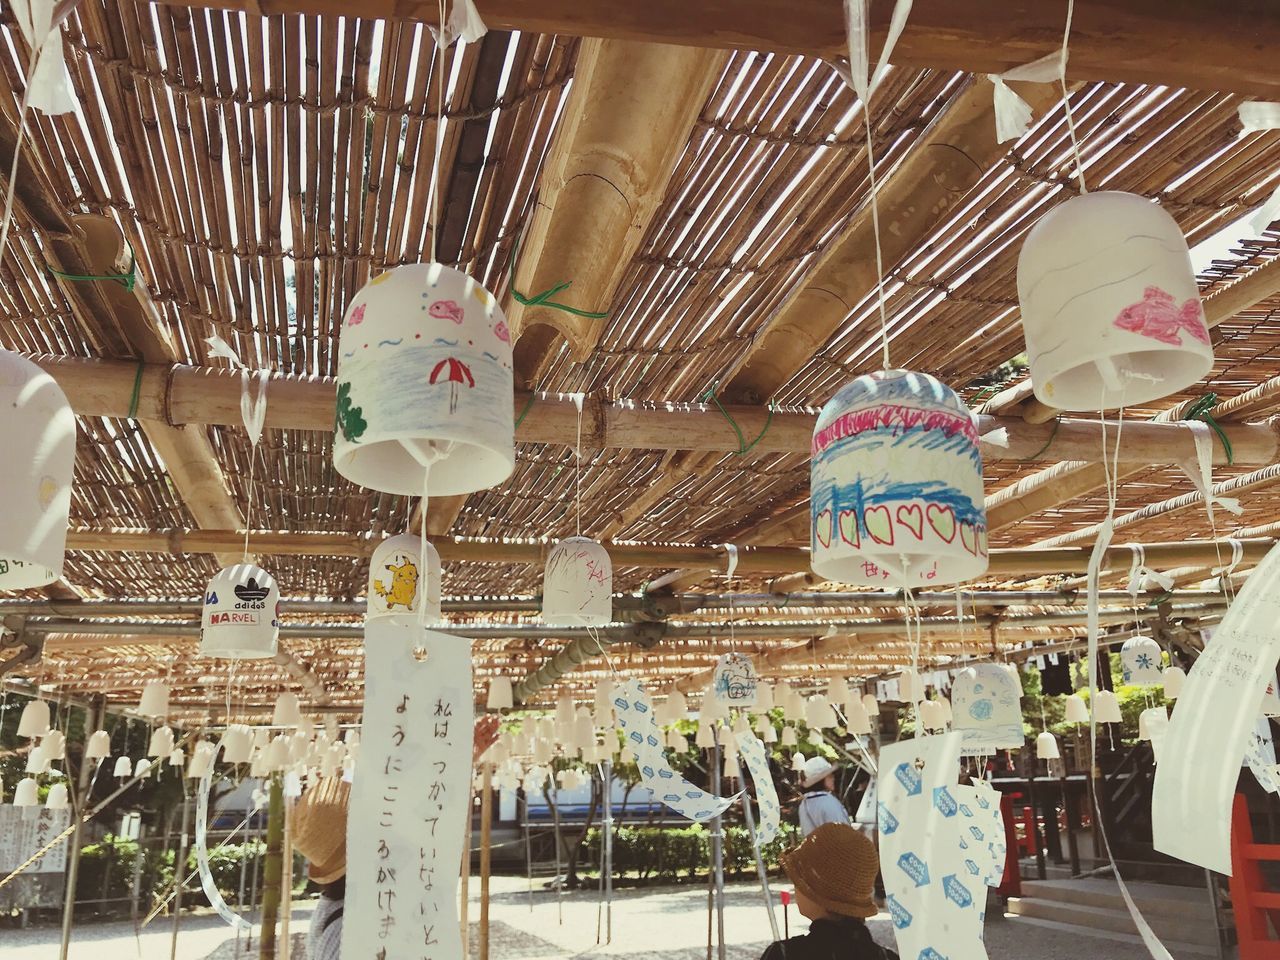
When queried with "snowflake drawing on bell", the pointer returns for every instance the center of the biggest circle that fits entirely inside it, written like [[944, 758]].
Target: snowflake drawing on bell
[[1140, 662]]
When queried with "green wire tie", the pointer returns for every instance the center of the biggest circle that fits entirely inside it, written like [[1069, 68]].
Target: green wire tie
[[1201, 410], [743, 447], [543, 299], [127, 279], [1057, 422], [137, 391], [527, 407]]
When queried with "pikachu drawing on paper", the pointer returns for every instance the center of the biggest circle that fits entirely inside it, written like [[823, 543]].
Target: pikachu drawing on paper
[[404, 585]]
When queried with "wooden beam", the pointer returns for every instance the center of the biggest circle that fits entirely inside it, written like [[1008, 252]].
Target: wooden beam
[[627, 121], [1200, 44], [1016, 562], [174, 394]]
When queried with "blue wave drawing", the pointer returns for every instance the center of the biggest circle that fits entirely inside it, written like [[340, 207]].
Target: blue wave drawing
[[348, 355], [491, 356], [391, 343], [448, 343]]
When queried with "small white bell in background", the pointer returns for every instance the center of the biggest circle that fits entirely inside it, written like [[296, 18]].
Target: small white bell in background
[[713, 708], [123, 768], [768, 734], [26, 793], [1107, 708], [142, 767], [34, 721], [797, 762], [1077, 709], [706, 738], [55, 745], [57, 797], [544, 728], [603, 705], [500, 694], [288, 712], [764, 696], [161, 744], [155, 700], [299, 747], [178, 759], [331, 728], [742, 724], [677, 705], [1147, 719], [856, 720], [931, 715], [277, 753], [1047, 747], [237, 744], [677, 742], [792, 705], [818, 714], [258, 764], [99, 746], [564, 712], [910, 689], [543, 751], [789, 738], [838, 691], [732, 769], [37, 760], [262, 738], [1174, 678], [201, 759], [871, 705]]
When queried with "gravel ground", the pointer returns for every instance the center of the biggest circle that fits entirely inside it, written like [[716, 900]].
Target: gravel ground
[[655, 923]]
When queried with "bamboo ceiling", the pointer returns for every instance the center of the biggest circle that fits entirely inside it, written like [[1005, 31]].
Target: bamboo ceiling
[[263, 168]]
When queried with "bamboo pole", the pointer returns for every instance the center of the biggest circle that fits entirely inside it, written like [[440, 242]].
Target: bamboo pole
[[1005, 562], [180, 394], [272, 869], [486, 855]]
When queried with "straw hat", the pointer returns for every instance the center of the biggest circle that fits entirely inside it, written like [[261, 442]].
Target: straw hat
[[835, 867], [320, 829], [816, 769]]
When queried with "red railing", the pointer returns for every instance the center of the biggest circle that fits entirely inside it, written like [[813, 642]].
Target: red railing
[[1253, 904]]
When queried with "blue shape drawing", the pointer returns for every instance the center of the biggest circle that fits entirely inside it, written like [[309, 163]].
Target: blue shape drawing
[[915, 868], [945, 803], [909, 777], [956, 891]]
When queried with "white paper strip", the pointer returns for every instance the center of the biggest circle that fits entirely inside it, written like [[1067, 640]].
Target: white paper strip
[[409, 798], [1013, 114], [1200, 470], [753, 753], [202, 859], [1219, 703], [640, 732], [49, 87], [858, 34]]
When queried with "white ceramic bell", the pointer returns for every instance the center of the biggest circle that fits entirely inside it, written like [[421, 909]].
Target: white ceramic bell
[[38, 436], [178, 759], [604, 693], [397, 578], [99, 746], [155, 700], [838, 691], [240, 619], [1107, 708], [500, 694], [142, 768], [57, 798], [732, 769], [202, 757], [55, 745], [871, 705], [1110, 307], [425, 385], [1077, 710], [564, 711], [1173, 677], [34, 721], [287, 712], [277, 753], [764, 696], [577, 586], [910, 687], [986, 709], [1140, 659], [237, 744], [818, 714], [797, 762], [161, 744], [123, 768], [789, 738], [931, 715], [896, 492], [678, 705], [768, 734], [706, 737], [1047, 747], [1148, 719], [26, 793], [37, 760], [855, 717]]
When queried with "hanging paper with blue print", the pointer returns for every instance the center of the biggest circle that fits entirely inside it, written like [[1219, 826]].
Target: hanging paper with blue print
[[733, 682], [753, 752], [935, 898], [641, 734]]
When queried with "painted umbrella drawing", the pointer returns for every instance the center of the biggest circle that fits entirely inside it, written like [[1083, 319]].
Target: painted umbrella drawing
[[456, 372]]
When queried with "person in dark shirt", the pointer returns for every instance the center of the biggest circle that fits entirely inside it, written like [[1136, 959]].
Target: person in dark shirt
[[834, 871]]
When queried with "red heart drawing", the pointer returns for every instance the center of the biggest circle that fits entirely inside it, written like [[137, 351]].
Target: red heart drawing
[[912, 517], [879, 524], [968, 537], [849, 527], [982, 541], [943, 521], [822, 527]]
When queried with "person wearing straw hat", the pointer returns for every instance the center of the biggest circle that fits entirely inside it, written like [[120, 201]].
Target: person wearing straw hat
[[320, 834], [819, 804], [833, 870]]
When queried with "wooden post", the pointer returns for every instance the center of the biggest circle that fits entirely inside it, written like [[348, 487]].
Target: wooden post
[[464, 877], [286, 878], [486, 833]]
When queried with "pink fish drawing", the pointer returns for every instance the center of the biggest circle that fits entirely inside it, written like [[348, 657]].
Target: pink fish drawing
[[446, 310], [1158, 316], [357, 316], [502, 332]]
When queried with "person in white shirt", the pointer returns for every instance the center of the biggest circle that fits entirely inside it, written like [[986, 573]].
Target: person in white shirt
[[819, 805]]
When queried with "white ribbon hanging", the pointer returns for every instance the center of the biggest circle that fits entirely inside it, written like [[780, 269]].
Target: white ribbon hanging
[[1257, 116], [1013, 114], [1200, 470], [1237, 555], [253, 410], [855, 18], [464, 23], [732, 550], [207, 882], [999, 437], [49, 86], [1141, 576]]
